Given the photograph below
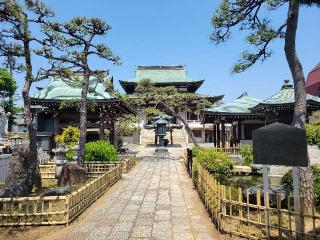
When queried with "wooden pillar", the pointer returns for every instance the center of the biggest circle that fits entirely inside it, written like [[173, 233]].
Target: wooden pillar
[[223, 133], [171, 137], [102, 135], [215, 135], [239, 131], [155, 140], [218, 135], [233, 142], [114, 138], [55, 123]]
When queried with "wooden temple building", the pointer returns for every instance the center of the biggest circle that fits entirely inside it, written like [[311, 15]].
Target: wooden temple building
[[233, 123], [176, 76], [56, 106]]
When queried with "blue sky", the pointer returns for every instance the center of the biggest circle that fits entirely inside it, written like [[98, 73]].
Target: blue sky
[[171, 32]]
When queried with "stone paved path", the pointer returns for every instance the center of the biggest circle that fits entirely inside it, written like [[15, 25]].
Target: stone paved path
[[156, 200]]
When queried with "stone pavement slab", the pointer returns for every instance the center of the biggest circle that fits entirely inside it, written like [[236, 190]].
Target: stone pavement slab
[[156, 200]]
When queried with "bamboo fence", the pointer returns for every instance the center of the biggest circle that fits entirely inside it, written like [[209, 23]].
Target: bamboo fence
[[230, 150], [58, 209], [94, 169], [236, 212]]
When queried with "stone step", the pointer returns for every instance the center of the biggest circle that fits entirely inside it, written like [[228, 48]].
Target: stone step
[[147, 136]]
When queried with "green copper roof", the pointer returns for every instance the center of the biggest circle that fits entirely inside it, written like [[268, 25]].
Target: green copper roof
[[57, 89], [286, 95], [240, 105], [162, 74]]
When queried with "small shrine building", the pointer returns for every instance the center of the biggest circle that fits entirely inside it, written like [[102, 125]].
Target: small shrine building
[[56, 107]]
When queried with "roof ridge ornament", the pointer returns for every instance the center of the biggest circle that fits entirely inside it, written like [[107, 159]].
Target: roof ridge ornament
[[287, 85], [244, 94]]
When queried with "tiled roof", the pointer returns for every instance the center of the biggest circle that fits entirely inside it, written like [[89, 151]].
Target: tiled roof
[[285, 96], [240, 105], [57, 89], [162, 74]]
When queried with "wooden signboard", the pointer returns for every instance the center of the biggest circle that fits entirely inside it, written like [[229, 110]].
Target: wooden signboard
[[280, 144]]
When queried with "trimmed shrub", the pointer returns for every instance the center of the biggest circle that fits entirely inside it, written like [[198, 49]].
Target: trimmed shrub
[[100, 151], [70, 155], [313, 133], [216, 163], [196, 150], [69, 137], [247, 154], [287, 183]]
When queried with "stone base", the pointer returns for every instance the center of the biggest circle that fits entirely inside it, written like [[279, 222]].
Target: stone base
[[161, 152]]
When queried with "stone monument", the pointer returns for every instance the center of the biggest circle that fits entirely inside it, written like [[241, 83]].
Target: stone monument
[[3, 118]]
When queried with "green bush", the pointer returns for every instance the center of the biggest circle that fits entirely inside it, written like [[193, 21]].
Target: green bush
[[247, 154], [100, 151], [70, 155], [313, 133], [287, 183], [196, 150], [69, 137], [214, 161]]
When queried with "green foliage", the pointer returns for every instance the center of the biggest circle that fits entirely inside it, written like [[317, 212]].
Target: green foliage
[[247, 154], [217, 163], [100, 151], [151, 113], [214, 161], [70, 155], [313, 133], [196, 150], [69, 137], [74, 104], [167, 99], [69, 104], [127, 125], [8, 85], [287, 183], [252, 18]]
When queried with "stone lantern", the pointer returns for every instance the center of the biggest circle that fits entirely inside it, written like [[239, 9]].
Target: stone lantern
[[60, 153], [161, 131]]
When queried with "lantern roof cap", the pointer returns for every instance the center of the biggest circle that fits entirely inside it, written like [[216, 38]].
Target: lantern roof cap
[[161, 121]]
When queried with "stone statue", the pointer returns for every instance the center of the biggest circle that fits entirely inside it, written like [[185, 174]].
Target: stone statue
[[3, 118]]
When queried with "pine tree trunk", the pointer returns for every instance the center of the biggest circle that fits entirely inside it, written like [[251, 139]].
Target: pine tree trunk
[[83, 116], [185, 123], [27, 109], [188, 129], [300, 107]]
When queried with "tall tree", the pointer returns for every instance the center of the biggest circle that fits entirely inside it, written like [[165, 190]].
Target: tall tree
[[8, 87], [69, 46], [253, 17], [16, 44], [152, 99]]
